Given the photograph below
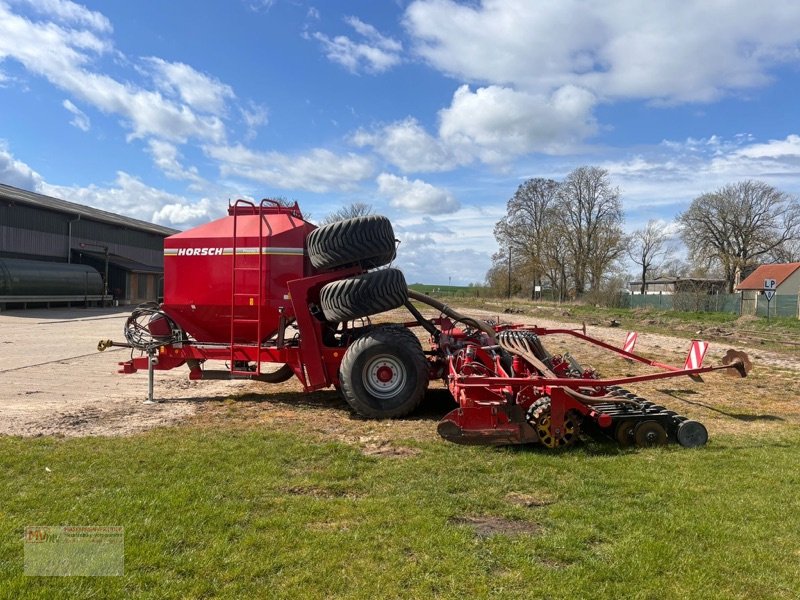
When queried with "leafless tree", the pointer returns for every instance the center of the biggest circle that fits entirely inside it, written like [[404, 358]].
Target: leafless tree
[[355, 209], [738, 225], [647, 248], [787, 252], [524, 228], [593, 219]]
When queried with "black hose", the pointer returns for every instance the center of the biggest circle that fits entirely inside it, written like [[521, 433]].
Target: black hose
[[454, 314]]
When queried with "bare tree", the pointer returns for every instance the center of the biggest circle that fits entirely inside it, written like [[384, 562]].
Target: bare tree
[[647, 248], [593, 218], [355, 209], [787, 252], [739, 224], [524, 228]]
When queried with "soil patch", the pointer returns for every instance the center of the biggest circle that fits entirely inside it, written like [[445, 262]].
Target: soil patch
[[488, 526]]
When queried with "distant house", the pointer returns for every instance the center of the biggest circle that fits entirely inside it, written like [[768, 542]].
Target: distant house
[[787, 279], [673, 285]]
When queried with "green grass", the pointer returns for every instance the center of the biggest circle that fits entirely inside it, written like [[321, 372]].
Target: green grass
[[264, 513]]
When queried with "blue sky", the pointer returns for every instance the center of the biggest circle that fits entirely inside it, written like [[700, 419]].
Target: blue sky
[[433, 111]]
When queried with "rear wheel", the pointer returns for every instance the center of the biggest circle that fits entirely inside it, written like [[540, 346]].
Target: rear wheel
[[384, 374], [365, 241], [363, 295]]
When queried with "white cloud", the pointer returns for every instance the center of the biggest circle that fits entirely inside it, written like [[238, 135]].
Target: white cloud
[[375, 53], [496, 124], [462, 243], [69, 12], [130, 196], [408, 146], [167, 158], [16, 173], [183, 213], [79, 118], [664, 51], [318, 170], [63, 56], [491, 124], [198, 90], [415, 196], [254, 116]]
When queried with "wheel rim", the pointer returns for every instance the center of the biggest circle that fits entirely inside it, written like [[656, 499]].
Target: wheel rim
[[384, 376]]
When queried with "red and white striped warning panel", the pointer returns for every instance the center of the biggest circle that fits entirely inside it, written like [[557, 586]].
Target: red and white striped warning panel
[[696, 354], [630, 341]]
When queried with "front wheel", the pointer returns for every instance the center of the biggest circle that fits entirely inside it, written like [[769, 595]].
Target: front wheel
[[384, 374]]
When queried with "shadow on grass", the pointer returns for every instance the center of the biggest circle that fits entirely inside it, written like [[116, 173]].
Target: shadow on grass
[[436, 404], [678, 395]]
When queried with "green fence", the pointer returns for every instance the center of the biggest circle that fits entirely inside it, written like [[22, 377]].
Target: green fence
[[781, 306]]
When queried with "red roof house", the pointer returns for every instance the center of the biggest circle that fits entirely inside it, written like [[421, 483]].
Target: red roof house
[[786, 276], [787, 289]]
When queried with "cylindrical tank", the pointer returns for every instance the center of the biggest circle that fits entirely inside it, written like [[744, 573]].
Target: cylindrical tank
[[20, 277]]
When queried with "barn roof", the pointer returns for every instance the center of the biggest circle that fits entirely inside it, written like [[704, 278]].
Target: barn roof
[[779, 272], [19, 196]]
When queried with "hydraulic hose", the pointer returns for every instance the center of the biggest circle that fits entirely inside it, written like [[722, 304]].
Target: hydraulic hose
[[454, 314]]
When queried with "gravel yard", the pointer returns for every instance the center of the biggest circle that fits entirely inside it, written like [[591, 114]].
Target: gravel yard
[[55, 382]]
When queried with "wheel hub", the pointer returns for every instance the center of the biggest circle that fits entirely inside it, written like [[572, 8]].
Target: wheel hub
[[384, 376]]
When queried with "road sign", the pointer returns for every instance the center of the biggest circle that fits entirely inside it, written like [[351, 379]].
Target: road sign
[[769, 294], [770, 284]]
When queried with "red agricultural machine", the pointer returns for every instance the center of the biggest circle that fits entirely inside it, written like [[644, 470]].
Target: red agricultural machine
[[275, 297]]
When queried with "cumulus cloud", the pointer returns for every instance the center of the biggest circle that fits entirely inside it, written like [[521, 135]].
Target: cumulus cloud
[[464, 256], [415, 196], [684, 52], [79, 118], [491, 124], [318, 170], [16, 173], [198, 90], [408, 146], [183, 213], [168, 159], [69, 12], [64, 55], [132, 197], [496, 124], [373, 53]]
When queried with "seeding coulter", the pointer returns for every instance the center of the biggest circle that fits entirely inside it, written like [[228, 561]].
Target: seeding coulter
[[270, 296]]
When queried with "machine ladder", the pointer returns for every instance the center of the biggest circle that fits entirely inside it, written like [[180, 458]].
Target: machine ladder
[[242, 288]]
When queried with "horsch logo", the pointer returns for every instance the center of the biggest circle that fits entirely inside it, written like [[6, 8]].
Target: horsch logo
[[199, 252]]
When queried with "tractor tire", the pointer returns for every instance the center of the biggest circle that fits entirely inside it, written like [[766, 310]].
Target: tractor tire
[[384, 374], [365, 241], [363, 295]]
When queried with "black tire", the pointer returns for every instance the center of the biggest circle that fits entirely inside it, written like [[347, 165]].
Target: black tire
[[384, 374], [363, 295], [279, 375], [365, 241]]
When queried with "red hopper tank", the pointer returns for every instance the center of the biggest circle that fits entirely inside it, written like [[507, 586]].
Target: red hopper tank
[[199, 274]]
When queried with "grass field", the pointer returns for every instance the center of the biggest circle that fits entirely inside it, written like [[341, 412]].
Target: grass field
[[242, 512], [278, 493]]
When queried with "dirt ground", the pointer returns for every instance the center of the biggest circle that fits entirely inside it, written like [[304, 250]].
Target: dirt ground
[[54, 382]]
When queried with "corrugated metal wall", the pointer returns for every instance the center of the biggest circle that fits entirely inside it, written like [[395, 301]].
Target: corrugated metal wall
[[31, 231]]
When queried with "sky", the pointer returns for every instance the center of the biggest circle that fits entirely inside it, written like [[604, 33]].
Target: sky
[[431, 111]]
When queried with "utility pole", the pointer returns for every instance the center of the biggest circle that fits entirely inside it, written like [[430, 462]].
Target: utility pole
[[509, 272]]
